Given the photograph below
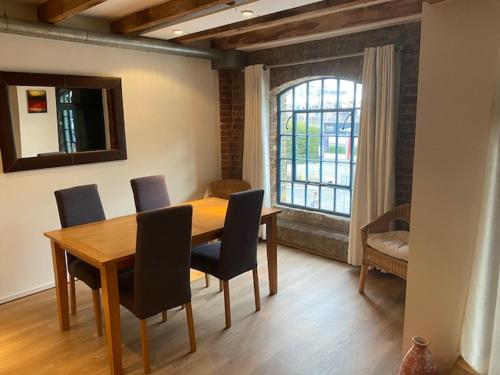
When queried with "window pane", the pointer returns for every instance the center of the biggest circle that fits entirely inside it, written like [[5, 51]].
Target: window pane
[[345, 121], [300, 123], [343, 174], [314, 95], [314, 148], [300, 147], [286, 170], [330, 93], [286, 103], [300, 96], [355, 149], [359, 91], [286, 147], [353, 173], [313, 171], [286, 125], [329, 148], [300, 170], [312, 196], [327, 198], [357, 117], [344, 149], [314, 123], [343, 201], [346, 94], [299, 194], [286, 192], [329, 123], [328, 173]]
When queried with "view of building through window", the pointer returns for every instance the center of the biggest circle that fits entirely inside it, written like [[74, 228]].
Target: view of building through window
[[318, 124]]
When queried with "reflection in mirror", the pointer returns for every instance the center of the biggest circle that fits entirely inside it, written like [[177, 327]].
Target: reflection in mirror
[[51, 120]]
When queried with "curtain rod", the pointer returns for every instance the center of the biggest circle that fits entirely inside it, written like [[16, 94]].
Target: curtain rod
[[327, 58]]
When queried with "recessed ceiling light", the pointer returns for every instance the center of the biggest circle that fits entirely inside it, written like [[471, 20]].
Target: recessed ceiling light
[[178, 32], [247, 13]]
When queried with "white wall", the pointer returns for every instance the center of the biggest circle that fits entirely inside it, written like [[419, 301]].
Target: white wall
[[38, 131], [460, 45], [171, 123]]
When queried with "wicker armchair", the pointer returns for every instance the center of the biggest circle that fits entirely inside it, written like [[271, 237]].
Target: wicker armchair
[[224, 188], [375, 258]]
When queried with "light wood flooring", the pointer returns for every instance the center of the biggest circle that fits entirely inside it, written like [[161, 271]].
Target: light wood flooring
[[316, 324]]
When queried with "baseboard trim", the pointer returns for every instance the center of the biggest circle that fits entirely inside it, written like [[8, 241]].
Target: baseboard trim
[[26, 293]]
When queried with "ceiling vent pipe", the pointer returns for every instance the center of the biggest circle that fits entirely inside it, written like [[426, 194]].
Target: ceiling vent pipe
[[47, 31]]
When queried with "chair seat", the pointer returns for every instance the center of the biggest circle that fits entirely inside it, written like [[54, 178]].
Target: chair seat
[[394, 244], [85, 272], [206, 258]]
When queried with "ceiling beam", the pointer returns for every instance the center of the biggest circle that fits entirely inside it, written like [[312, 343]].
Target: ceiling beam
[[54, 11], [279, 18], [357, 18], [162, 14]]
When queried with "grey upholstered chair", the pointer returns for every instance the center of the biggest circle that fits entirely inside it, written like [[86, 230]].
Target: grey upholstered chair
[[236, 253], [82, 205], [150, 193], [161, 277]]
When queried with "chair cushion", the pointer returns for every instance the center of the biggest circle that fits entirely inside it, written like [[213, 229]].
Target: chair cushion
[[394, 244], [85, 272], [206, 258]]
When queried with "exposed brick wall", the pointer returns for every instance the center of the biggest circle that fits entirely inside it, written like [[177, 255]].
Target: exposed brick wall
[[232, 117], [232, 90]]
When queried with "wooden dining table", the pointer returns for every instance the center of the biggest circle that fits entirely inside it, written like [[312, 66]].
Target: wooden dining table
[[109, 245]]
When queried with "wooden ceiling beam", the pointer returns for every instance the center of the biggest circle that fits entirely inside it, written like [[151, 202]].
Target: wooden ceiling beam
[[162, 14], [279, 18], [335, 22], [54, 11]]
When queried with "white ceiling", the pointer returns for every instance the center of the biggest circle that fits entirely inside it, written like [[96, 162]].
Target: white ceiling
[[113, 9]]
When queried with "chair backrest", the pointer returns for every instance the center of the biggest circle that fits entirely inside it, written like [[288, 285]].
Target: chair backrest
[[162, 260], [79, 205], [240, 235], [150, 193], [224, 188]]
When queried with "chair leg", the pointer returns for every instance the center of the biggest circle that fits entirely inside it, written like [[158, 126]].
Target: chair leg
[[221, 287], [227, 304], [362, 278], [164, 316], [207, 280], [256, 289], [144, 345], [72, 294], [190, 324], [96, 298]]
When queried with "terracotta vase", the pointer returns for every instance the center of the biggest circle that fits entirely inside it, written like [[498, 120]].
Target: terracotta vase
[[418, 360]]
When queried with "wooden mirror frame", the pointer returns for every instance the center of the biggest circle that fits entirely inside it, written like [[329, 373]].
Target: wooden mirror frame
[[10, 161]]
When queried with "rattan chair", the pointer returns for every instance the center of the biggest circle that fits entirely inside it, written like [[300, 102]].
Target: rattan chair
[[377, 259], [224, 188]]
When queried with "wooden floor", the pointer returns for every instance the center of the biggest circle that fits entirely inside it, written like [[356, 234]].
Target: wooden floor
[[317, 324]]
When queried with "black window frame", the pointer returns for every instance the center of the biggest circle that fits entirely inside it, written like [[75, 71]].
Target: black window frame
[[354, 134]]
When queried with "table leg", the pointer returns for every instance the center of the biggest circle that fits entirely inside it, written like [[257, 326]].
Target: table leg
[[272, 253], [111, 304], [61, 281]]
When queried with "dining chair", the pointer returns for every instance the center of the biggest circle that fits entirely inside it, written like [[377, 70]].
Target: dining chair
[[82, 205], [236, 253], [150, 193], [161, 276]]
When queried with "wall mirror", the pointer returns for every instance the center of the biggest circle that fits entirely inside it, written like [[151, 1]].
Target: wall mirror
[[49, 120]]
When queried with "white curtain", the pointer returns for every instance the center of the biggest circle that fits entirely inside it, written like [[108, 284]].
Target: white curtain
[[374, 181], [256, 139], [480, 341]]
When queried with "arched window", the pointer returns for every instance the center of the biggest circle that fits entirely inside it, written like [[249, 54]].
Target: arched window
[[318, 127]]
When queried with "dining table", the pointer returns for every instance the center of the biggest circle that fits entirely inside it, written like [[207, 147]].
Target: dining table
[[110, 245]]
